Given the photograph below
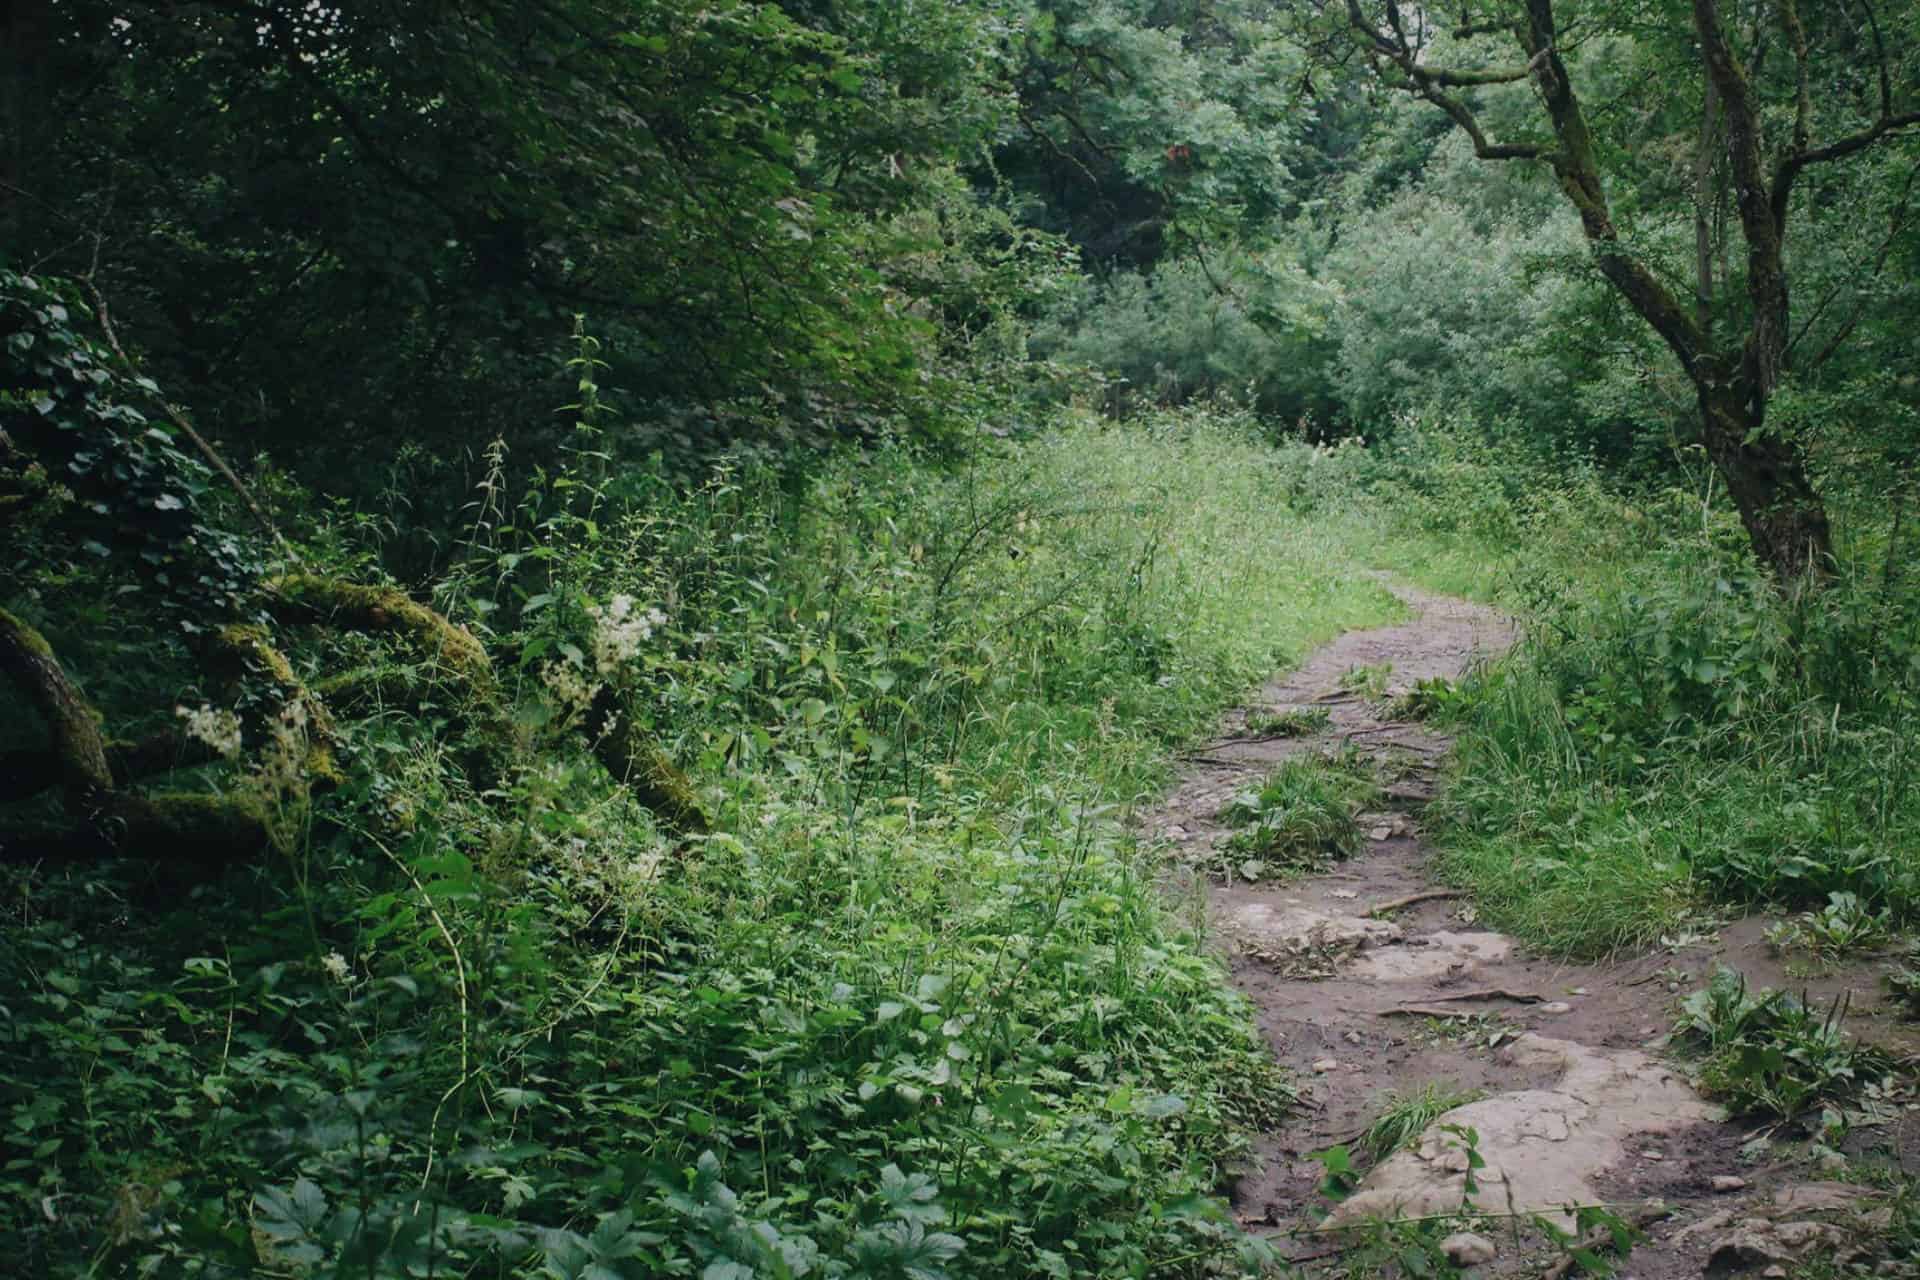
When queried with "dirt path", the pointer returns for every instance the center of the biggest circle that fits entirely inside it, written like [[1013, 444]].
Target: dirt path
[[1578, 1103]]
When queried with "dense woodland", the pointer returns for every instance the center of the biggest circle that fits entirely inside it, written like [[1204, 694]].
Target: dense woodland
[[590, 585]]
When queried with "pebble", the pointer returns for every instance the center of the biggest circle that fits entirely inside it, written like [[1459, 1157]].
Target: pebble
[[1727, 1182], [1465, 1249], [1325, 1065], [1652, 1155], [1556, 1006], [1352, 1037]]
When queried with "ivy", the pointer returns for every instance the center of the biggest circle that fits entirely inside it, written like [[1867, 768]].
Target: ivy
[[137, 502]]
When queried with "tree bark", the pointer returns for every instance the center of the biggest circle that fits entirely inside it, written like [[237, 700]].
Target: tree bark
[[1767, 481]]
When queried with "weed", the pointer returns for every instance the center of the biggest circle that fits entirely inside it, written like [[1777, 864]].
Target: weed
[[1432, 699], [1295, 722], [1369, 681], [1843, 927], [1767, 1053], [1304, 812], [1405, 1116]]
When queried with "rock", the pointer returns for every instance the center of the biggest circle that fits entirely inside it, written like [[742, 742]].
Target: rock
[[1439, 955], [1654, 1156], [1294, 930], [1343, 894], [1464, 1249], [1542, 1148], [1352, 1037], [1775, 1272], [1756, 1242], [1554, 1007], [1727, 1182], [1325, 1065]]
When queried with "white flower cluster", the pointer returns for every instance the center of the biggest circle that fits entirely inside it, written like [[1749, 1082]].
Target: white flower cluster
[[620, 628], [336, 966], [215, 726], [569, 687]]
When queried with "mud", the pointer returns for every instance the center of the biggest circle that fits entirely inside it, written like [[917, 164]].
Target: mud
[[1582, 1103]]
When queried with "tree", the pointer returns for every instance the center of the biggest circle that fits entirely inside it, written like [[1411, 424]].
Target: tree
[[1779, 98]]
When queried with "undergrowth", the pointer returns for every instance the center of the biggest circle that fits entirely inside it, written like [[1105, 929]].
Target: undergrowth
[[1767, 1053], [913, 1007], [1405, 1116], [1672, 736], [1302, 814]]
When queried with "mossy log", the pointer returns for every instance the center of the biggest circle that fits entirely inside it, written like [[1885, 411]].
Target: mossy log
[[25, 774], [636, 760], [305, 597], [77, 748], [630, 757], [236, 654]]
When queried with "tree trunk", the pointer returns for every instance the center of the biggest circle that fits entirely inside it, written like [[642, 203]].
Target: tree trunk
[[1767, 480]]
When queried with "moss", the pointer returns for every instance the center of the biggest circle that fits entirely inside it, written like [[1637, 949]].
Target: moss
[[73, 728], [639, 762], [188, 826], [242, 650], [14, 631]]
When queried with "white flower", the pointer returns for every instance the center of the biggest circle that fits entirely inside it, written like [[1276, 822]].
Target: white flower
[[336, 966], [569, 687], [620, 628], [215, 726]]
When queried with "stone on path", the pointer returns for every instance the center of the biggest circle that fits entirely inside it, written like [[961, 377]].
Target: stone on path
[[1542, 1148]]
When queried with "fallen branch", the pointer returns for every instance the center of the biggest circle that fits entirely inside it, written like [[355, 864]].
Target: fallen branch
[[1219, 763], [629, 755], [1425, 1011], [634, 759], [310, 598], [1413, 899]]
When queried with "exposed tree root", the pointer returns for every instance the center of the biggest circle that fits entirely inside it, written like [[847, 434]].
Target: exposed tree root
[[104, 818]]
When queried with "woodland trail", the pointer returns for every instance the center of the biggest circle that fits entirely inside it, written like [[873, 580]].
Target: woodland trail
[[1578, 1102]]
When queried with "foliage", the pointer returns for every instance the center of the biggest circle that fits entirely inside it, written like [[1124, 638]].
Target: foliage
[[1842, 927], [85, 473], [916, 1007], [1768, 1053]]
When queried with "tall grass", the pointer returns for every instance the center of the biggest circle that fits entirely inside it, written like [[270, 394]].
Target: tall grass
[[1672, 737]]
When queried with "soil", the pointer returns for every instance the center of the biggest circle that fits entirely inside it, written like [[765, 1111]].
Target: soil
[[1581, 1094]]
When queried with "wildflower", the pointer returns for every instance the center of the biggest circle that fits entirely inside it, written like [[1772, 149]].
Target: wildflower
[[620, 628], [570, 688], [336, 966], [217, 727]]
